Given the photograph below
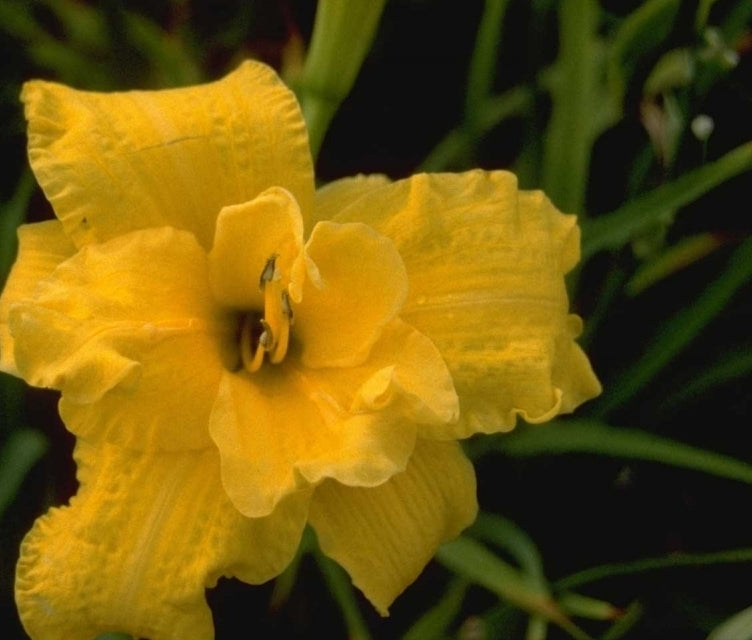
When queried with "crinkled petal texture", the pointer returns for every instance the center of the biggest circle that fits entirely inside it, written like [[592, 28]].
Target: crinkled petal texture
[[422, 311], [41, 248], [385, 535], [287, 427], [139, 544], [129, 332], [117, 162], [347, 401], [485, 263]]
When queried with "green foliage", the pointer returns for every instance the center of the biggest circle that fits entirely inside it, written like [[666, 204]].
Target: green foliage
[[633, 115]]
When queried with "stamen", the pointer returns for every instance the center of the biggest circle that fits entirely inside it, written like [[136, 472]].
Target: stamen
[[267, 273], [286, 306], [251, 358], [266, 339], [274, 338]]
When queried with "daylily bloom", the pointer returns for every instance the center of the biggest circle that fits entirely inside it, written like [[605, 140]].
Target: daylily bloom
[[240, 355]]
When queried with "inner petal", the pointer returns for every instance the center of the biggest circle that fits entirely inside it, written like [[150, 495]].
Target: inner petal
[[363, 285], [246, 237]]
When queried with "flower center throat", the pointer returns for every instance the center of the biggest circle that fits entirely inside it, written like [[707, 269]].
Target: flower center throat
[[267, 333]]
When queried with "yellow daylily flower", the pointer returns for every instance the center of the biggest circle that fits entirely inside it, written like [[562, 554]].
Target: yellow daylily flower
[[240, 355]]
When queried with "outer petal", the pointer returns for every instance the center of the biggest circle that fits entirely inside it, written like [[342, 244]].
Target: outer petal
[[139, 544], [333, 198], [363, 286], [385, 535], [129, 333], [116, 162], [41, 247], [286, 427], [485, 264]]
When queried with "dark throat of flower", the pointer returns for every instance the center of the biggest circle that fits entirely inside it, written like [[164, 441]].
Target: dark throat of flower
[[267, 333]]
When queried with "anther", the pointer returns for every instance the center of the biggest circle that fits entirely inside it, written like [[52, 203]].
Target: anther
[[266, 339], [267, 273], [251, 348], [286, 306], [274, 335]]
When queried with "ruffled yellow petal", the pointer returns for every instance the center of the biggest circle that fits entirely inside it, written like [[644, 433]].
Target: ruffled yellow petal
[[405, 375], [140, 543], [485, 264], [335, 196], [384, 536], [363, 286], [130, 334], [116, 162], [249, 235], [285, 426], [41, 247]]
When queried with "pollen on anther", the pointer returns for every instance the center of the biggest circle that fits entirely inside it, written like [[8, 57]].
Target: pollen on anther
[[267, 273]]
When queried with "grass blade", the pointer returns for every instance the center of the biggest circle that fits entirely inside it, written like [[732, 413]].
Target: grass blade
[[615, 229], [586, 436]]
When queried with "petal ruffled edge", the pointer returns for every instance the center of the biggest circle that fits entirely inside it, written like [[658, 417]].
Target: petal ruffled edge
[[137, 358], [485, 265], [285, 427], [41, 248], [115, 162], [384, 536], [140, 543]]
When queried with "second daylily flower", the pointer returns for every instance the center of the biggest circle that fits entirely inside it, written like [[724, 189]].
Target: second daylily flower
[[239, 355]]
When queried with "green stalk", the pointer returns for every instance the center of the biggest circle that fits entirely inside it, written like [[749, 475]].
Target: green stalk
[[343, 32], [679, 331], [590, 436], [615, 229], [342, 589], [601, 572], [571, 129], [484, 62]]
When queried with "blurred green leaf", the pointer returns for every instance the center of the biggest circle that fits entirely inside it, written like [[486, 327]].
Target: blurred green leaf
[[585, 607], [589, 436], [284, 583], [685, 252], [703, 14], [170, 62], [675, 560], [737, 20], [17, 19], [484, 63], [83, 25], [475, 562], [457, 146], [640, 33], [20, 452], [737, 627], [435, 622], [576, 106], [679, 330], [728, 367], [675, 68], [508, 536], [341, 588], [615, 229], [511, 538], [12, 214], [624, 622], [342, 36]]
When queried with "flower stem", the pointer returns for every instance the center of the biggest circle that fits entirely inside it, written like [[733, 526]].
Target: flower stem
[[342, 35]]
